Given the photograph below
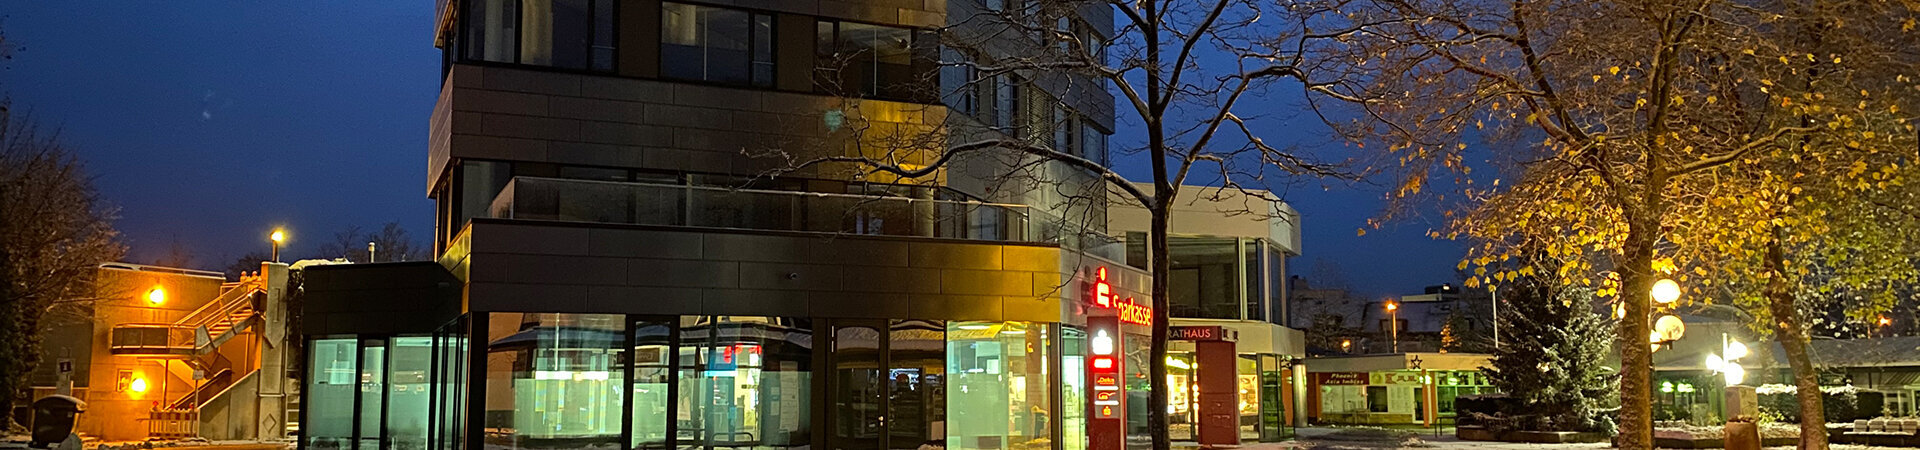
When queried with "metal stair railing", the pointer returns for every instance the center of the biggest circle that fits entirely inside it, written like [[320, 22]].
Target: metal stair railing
[[221, 307]]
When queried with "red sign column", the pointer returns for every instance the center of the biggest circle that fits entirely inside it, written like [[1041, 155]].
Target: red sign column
[[1107, 429], [1219, 393]]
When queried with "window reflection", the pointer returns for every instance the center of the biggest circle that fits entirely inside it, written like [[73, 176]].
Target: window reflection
[[1001, 386], [554, 380], [744, 382], [916, 389], [714, 44], [652, 374], [857, 377], [331, 379]]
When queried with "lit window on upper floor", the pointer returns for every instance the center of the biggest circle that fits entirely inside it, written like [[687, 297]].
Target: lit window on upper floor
[[569, 34], [720, 45], [876, 61]]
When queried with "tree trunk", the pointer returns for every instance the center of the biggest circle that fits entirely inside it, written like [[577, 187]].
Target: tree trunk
[[1636, 356], [1161, 266], [1791, 333]]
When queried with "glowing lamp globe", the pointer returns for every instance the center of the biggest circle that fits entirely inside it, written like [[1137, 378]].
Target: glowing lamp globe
[[1735, 350], [1666, 291], [1669, 328]]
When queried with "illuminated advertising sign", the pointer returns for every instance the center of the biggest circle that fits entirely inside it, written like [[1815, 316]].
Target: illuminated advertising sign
[[1107, 428], [1103, 297]]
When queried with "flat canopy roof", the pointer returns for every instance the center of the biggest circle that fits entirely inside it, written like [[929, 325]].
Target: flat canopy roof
[[1399, 361]]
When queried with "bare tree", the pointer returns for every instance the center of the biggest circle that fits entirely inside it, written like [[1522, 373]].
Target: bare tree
[[54, 233], [1179, 71], [390, 243]]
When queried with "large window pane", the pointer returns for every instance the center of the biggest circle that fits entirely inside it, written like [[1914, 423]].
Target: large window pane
[[1256, 304], [1276, 285], [373, 377], [744, 382], [555, 380], [1073, 388], [1182, 396], [1248, 383], [1000, 374], [893, 63], [1205, 280], [705, 43], [652, 372], [450, 386], [1137, 348], [554, 33], [916, 395], [857, 378], [491, 30], [407, 396], [481, 181], [327, 419], [603, 28]]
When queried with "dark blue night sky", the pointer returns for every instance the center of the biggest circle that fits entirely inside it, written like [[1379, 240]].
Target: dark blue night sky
[[208, 123]]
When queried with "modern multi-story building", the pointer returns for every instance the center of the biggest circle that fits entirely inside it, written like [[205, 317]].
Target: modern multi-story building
[[1228, 250], [631, 258]]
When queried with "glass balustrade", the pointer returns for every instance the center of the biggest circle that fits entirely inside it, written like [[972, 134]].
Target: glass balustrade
[[568, 200]]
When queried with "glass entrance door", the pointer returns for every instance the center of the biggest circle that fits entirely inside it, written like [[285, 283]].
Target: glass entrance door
[[916, 386], [859, 417]]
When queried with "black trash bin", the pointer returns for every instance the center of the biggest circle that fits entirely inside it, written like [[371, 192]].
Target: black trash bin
[[53, 418]]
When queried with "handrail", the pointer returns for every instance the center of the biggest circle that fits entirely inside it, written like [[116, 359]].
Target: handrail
[[225, 304]]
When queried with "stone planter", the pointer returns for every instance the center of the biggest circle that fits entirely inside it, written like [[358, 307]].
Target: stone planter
[[1742, 436]]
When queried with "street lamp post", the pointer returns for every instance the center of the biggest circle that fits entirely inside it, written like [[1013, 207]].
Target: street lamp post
[[1393, 321], [1495, 291], [278, 237]]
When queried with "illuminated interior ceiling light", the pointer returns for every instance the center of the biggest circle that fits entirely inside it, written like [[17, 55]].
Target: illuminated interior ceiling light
[[1175, 363], [974, 327], [1666, 291]]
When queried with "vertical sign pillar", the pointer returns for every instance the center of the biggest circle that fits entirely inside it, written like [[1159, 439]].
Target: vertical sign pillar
[[1219, 394], [1107, 430]]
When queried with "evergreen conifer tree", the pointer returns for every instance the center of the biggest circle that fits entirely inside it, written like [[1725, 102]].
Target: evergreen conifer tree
[[1552, 358]]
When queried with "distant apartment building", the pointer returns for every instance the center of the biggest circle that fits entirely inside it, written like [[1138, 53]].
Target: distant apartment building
[[625, 262], [1395, 360]]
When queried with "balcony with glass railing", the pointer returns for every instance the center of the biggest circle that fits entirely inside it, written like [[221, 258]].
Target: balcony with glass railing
[[568, 200]]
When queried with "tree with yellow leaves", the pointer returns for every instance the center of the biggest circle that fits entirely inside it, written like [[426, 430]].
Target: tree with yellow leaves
[[1612, 122]]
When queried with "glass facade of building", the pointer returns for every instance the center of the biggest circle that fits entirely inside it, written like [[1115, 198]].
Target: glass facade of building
[[613, 381], [1220, 277], [397, 392]]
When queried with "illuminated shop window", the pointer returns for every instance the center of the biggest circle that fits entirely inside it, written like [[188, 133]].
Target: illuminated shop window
[[328, 419], [1000, 386], [554, 380], [744, 382], [407, 397], [1073, 389], [652, 374]]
